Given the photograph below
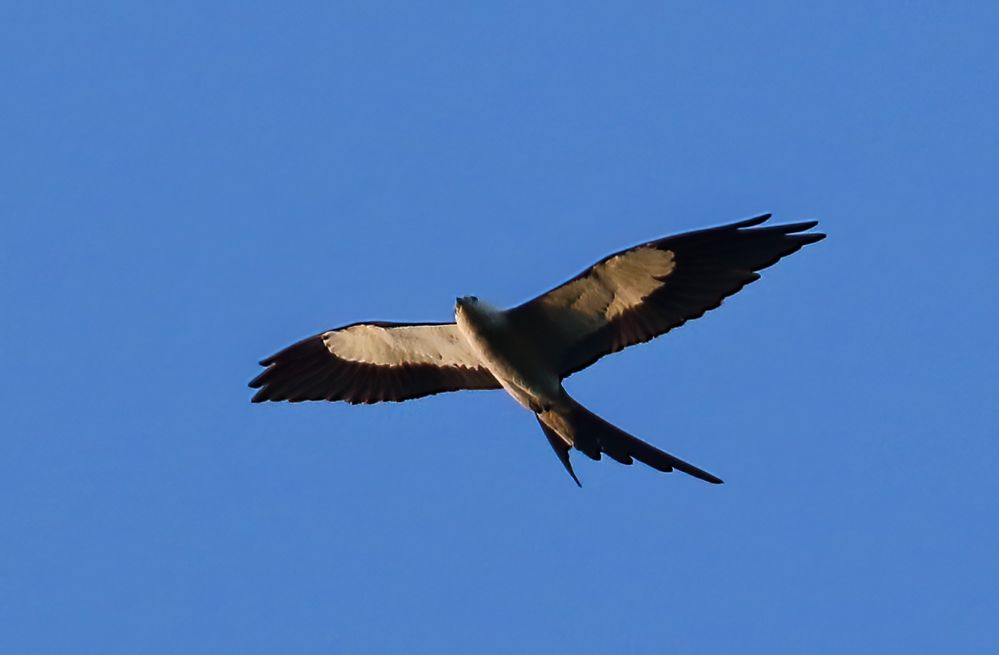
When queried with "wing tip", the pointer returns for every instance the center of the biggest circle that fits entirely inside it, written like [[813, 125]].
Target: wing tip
[[788, 228], [801, 226], [756, 220], [258, 381], [812, 237]]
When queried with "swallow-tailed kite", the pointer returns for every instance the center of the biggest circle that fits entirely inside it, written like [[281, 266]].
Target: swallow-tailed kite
[[626, 298]]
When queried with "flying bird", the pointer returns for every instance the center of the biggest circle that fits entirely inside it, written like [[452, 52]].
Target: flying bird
[[626, 298]]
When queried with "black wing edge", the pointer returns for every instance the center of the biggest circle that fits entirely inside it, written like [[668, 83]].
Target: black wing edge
[[307, 370]]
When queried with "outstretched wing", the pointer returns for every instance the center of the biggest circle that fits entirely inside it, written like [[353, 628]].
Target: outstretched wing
[[643, 292], [373, 362]]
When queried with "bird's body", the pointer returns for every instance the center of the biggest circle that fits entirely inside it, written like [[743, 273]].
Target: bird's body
[[626, 298], [508, 354]]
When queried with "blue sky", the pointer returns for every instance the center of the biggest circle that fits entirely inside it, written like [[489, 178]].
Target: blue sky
[[187, 188]]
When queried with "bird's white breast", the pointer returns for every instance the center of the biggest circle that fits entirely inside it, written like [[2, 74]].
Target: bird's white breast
[[508, 356]]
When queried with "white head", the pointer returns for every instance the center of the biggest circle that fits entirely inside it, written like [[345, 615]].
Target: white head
[[470, 308]]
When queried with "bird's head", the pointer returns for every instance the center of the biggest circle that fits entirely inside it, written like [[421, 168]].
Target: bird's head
[[471, 308], [465, 302]]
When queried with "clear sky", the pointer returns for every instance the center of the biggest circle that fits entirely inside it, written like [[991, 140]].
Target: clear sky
[[187, 187]]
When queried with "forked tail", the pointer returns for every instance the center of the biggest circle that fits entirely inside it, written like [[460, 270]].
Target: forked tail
[[570, 425]]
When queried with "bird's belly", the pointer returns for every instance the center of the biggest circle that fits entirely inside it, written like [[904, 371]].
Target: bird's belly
[[520, 371]]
